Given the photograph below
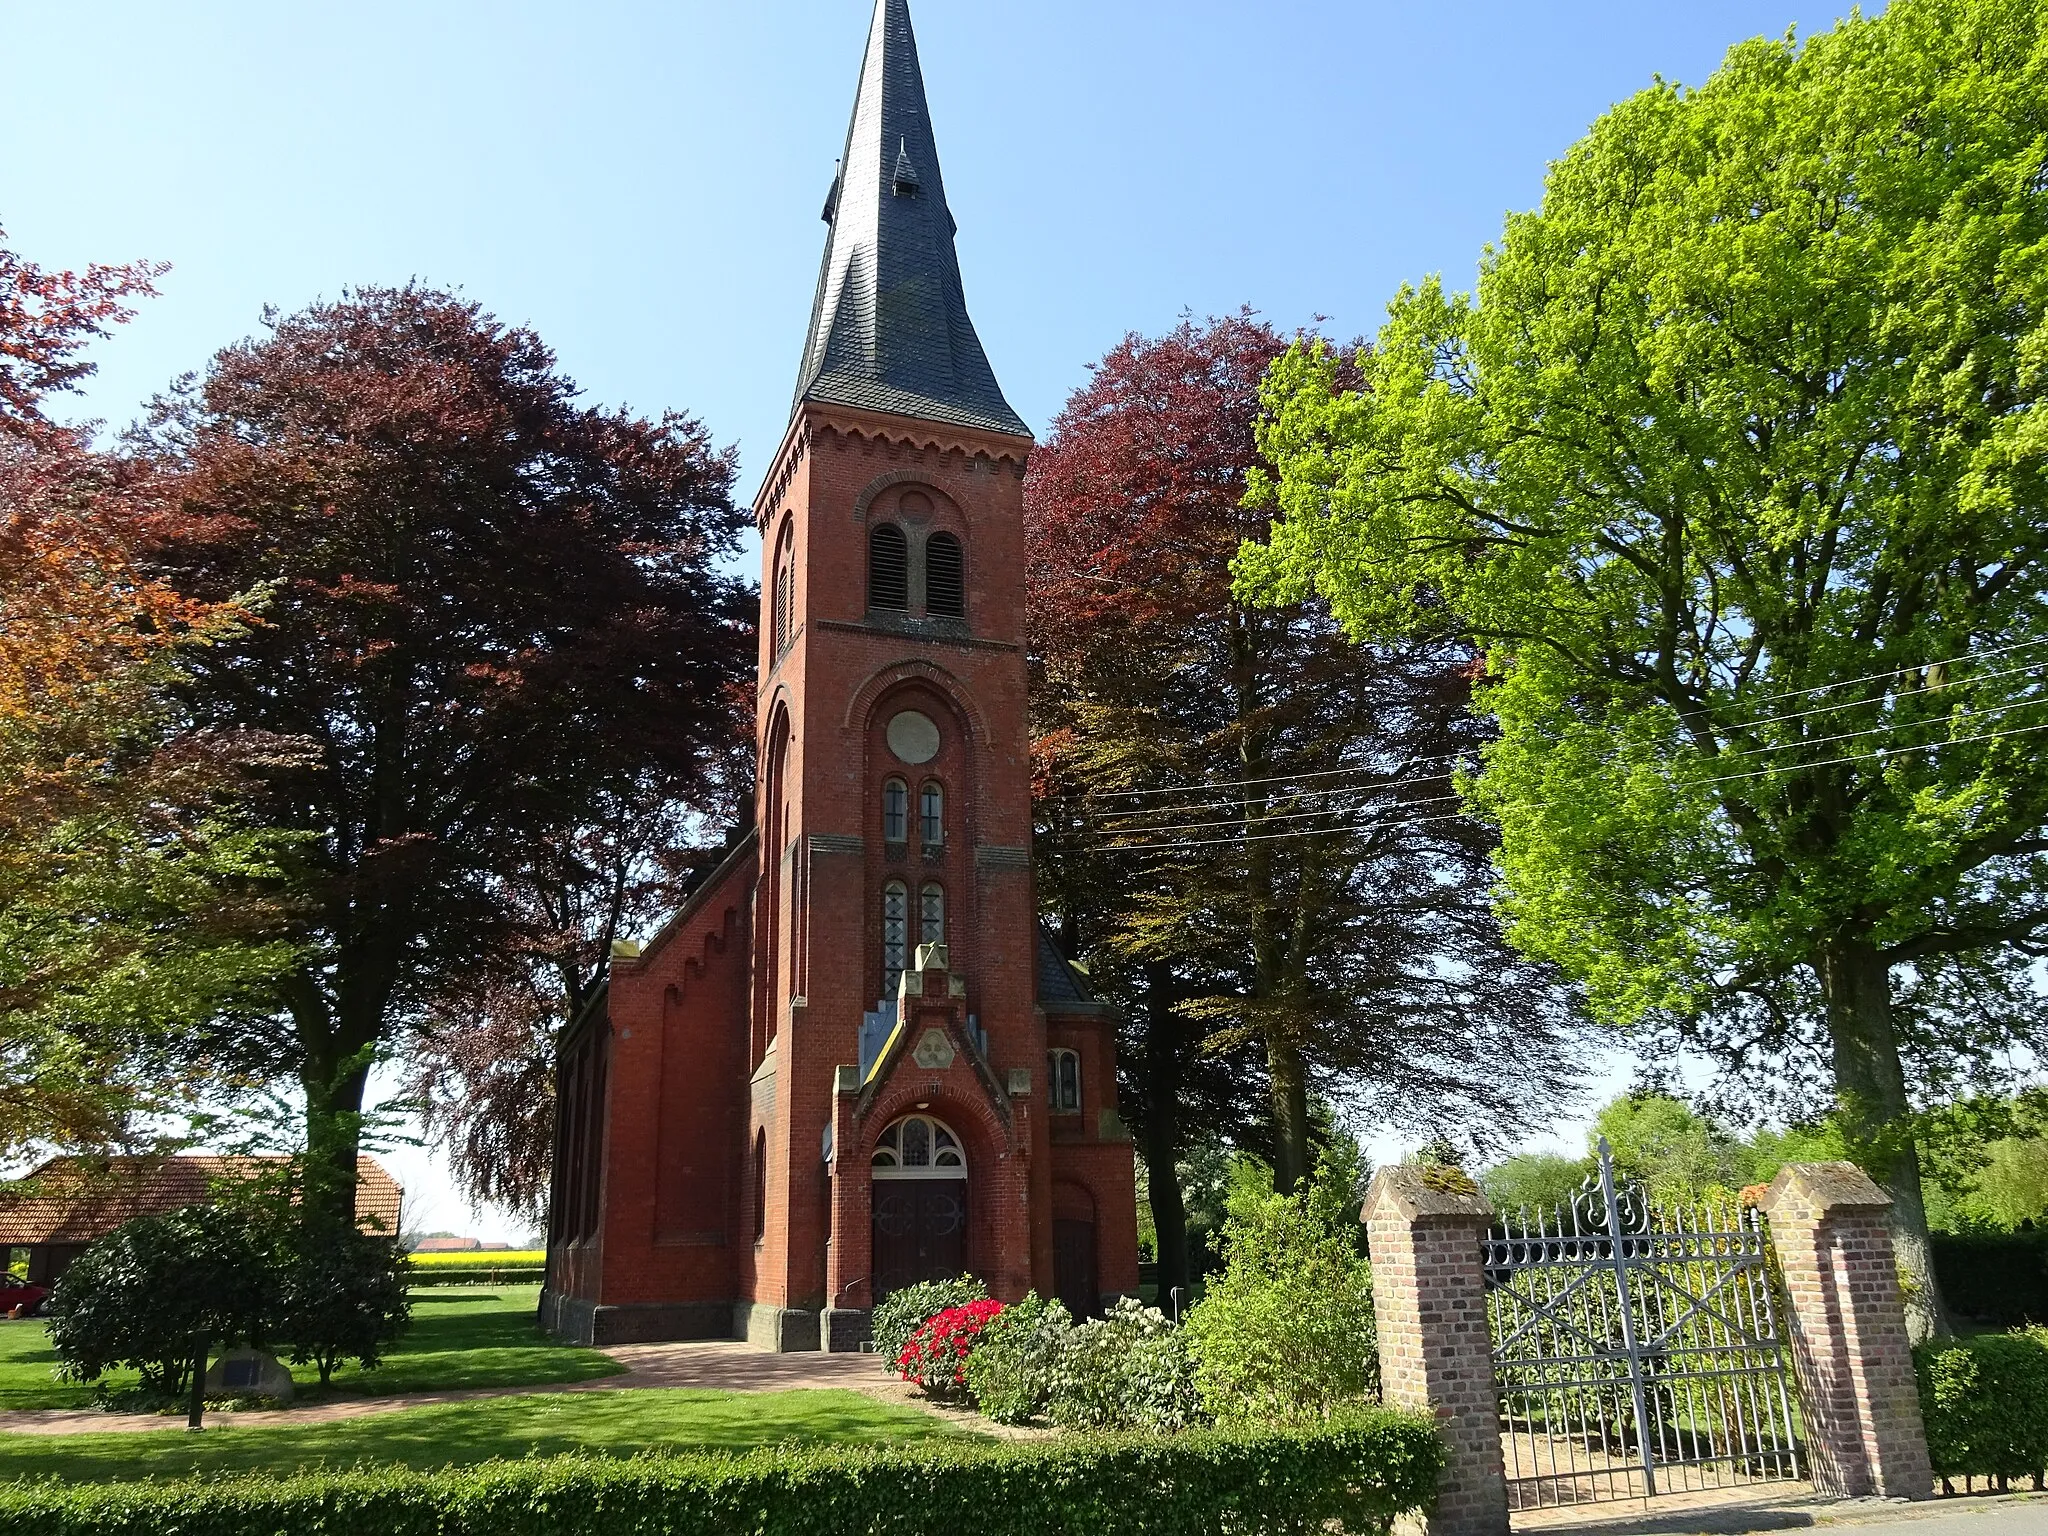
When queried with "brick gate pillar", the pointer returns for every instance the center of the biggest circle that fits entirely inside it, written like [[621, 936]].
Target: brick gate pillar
[[1426, 1228], [1832, 1230]]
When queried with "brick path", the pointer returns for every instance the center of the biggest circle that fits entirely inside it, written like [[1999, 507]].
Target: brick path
[[719, 1365]]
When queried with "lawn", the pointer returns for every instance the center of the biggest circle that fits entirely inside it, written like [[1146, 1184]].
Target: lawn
[[603, 1422], [461, 1336]]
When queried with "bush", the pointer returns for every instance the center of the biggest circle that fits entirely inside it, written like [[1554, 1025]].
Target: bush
[[1010, 1373], [1129, 1370], [158, 1292], [1285, 1334], [1985, 1403], [1287, 1483], [343, 1298], [936, 1355], [902, 1312]]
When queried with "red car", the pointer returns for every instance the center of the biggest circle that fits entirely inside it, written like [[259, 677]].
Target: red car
[[27, 1297]]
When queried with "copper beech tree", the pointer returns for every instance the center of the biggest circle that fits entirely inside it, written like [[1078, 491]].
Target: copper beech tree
[[488, 604], [128, 910], [1241, 816]]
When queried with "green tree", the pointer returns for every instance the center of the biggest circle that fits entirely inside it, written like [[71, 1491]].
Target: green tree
[[159, 1292], [343, 1296], [1533, 1181], [1678, 1154], [1734, 466]]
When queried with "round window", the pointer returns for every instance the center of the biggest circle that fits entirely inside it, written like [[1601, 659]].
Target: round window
[[913, 737]]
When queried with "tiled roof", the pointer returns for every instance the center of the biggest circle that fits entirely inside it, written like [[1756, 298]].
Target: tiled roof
[[889, 327], [76, 1200], [1058, 982]]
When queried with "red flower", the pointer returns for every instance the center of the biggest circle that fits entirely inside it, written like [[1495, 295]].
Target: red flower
[[936, 1355]]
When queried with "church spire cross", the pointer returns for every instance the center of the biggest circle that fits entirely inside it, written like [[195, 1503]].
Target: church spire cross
[[889, 327]]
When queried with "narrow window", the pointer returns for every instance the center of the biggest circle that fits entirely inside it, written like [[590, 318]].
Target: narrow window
[[945, 577], [931, 915], [888, 568], [931, 815], [1063, 1081], [784, 616], [895, 811], [895, 934], [760, 1185]]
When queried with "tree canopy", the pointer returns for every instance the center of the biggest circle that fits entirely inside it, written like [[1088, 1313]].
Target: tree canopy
[[489, 607], [1213, 781], [1733, 465]]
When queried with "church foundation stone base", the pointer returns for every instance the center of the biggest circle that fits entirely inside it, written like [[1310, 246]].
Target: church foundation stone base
[[785, 1330], [846, 1329], [579, 1322]]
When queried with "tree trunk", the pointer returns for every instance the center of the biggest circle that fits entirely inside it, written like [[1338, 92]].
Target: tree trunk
[[1290, 1111], [195, 1405], [334, 1091], [1163, 1140], [1870, 1087]]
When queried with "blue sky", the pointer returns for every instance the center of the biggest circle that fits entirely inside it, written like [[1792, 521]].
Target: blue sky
[[641, 182]]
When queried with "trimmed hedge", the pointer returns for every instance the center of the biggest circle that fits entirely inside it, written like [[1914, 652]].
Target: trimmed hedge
[[2000, 1278], [1360, 1472], [1985, 1403]]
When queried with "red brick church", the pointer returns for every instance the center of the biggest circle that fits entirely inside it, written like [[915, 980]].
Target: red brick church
[[854, 1059]]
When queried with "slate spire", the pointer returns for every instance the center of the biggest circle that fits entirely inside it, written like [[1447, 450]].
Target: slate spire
[[889, 328]]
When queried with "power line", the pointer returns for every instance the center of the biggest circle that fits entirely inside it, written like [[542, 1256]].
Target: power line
[[1791, 746], [1756, 773], [1207, 789]]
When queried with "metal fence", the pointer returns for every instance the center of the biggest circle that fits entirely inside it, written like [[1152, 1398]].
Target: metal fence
[[1637, 1350]]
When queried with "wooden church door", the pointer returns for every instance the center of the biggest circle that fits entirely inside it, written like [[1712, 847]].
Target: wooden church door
[[920, 1205]]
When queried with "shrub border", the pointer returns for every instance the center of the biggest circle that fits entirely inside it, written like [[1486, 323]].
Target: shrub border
[[1361, 1471]]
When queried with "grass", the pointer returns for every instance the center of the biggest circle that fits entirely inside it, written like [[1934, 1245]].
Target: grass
[[602, 1422], [460, 1337]]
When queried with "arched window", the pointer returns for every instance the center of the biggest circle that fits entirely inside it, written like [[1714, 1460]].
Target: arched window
[[1063, 1082], [888, 567], [931, 915], [918, 1146], [784, 602], [895, 811], [945, 577], [760, 1185], [895, 934], [931, 814]]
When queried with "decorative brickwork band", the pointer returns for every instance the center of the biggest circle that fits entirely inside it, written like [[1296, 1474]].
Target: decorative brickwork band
[[1831, 1226], [1426, 1228]]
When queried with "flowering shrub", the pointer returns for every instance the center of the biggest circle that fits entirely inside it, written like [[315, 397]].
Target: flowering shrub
[[936, 1355], [1013, 1365], [908, 1308], [1129, 1370]]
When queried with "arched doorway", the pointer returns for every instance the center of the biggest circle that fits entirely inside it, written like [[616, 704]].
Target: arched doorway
[[920, 1204]]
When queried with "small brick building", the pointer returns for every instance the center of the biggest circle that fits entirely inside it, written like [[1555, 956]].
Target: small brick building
[[854, 1059]]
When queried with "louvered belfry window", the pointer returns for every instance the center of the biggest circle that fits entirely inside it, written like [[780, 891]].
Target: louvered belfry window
[[888, 568], [945, 577]]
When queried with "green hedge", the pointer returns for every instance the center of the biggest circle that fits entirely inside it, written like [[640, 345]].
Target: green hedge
[[1985, 1401], [1205, 1483], [2000, 1278]]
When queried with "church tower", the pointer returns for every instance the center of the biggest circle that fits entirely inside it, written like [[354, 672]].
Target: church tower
[[915, 1083]]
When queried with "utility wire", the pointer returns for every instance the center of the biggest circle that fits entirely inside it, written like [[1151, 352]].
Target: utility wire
[[1378, 826], [1209, 791]]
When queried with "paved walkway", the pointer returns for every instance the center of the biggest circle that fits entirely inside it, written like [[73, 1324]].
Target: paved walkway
[[719, 1365], [2016, 1514]]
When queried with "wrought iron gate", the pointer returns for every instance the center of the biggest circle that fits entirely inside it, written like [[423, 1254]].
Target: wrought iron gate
[[1637, 1350]]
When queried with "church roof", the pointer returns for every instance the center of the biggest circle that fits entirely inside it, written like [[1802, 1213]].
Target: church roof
[[1058, 981], [889, 327]]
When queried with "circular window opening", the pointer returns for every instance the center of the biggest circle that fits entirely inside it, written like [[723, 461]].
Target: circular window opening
[[913, 737]]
